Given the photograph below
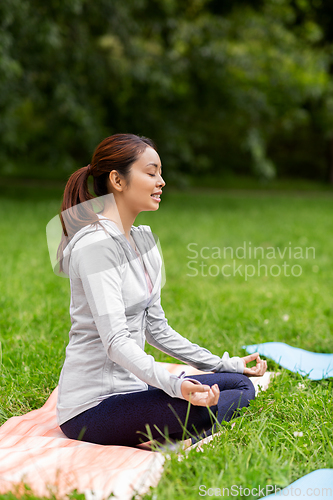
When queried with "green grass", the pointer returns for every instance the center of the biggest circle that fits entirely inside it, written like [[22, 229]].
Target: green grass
[[239, 182], [218, 312], [261, 449]]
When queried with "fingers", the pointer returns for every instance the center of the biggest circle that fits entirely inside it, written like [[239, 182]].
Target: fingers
[[200, 388], [263, 367], [200, 395], [255, 371], [251, 357], [189, 387], [258, 370], [215, 394], [209, 398]]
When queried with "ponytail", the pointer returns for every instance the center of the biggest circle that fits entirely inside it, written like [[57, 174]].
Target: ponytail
[[75, 214], [76, 190]]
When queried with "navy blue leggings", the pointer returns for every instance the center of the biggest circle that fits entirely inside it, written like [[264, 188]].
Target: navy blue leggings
[[122, 419]]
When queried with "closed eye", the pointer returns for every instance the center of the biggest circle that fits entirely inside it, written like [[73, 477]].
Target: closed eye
[[152, 175]]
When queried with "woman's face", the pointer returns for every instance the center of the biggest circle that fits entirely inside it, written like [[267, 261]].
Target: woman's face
[[143, 191]]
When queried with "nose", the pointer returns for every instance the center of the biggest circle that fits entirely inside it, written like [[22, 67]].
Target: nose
[[161, 181]]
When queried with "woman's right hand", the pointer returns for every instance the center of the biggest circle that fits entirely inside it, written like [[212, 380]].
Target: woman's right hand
[[200, 395]]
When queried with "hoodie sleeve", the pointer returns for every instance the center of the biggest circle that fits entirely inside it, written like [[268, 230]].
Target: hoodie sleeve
[[160, 335], [100, 267]]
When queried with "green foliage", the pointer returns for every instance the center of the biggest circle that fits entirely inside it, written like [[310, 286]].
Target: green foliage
[[218, 87]]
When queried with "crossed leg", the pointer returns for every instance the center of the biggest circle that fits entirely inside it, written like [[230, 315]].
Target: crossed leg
[[122, 419]]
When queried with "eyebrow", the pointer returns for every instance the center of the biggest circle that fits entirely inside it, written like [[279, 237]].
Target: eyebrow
[[153, 164]]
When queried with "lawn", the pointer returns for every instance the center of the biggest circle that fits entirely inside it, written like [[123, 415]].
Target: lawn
[[209, 297]]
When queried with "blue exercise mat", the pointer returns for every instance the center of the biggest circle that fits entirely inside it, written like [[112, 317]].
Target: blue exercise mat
[[316, 365], [316, 485]]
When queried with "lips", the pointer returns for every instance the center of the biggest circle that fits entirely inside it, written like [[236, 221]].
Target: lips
[[156, 195]]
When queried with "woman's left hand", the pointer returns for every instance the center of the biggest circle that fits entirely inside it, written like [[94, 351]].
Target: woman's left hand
[[200, 395], [255, 371]]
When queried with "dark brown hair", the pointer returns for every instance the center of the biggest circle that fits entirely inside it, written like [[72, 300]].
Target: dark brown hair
[[117, 152]]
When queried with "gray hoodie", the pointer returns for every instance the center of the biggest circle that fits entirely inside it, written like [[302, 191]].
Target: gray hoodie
[[112, 314]]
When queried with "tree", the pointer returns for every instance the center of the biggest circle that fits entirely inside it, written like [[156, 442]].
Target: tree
[[220, 86]]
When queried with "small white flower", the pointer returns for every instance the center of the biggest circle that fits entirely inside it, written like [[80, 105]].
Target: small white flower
[[301, 386], [285, 317], [266, 321], [298, 434]]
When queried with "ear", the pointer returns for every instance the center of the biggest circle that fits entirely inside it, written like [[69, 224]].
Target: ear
[[117, 182]]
